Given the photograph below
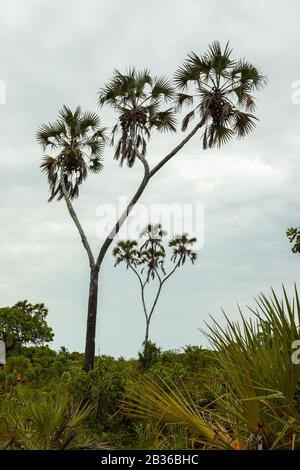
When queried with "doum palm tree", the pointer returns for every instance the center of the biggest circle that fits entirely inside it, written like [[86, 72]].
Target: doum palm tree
[[219, 89], [147, 262]]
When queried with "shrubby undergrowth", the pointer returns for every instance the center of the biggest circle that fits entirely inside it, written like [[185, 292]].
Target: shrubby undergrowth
[[243, 393]]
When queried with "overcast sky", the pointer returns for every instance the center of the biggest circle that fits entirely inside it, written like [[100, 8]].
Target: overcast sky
[[61, 52]]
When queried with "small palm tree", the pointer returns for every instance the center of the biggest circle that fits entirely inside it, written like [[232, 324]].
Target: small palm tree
[[78, 141], [126, 252], [137, 97], [222, 87], [182, 249], [148, 262], [44, 422]]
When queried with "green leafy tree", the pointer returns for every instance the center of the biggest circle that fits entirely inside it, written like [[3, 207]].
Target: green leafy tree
[[293, 235], [24, 324], [220, 89], [148, 263]]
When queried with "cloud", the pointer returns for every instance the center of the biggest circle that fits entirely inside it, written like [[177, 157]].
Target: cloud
[[55, 53]]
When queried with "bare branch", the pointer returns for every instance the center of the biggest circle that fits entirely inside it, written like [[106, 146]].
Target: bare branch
[[170, 273], [161, 283], [142, 292], [155, 301]]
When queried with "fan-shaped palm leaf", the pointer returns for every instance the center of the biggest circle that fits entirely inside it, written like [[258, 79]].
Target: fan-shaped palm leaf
[[78, 140], [137, 97], [182, 249], [223, 87]]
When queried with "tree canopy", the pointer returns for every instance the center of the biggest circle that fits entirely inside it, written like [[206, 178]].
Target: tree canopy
[[24, 324]]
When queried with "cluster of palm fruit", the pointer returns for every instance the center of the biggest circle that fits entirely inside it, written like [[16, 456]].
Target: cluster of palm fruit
[[133, 122], [132, 117], [218, 107]]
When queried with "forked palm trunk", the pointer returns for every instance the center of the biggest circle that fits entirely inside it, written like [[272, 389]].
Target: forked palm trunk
[[91, 320], [95, 265]]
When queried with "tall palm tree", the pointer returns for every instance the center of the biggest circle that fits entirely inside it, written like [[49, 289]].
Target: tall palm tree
[[222, 88], [78, 142], [137, 98], [144, 104]]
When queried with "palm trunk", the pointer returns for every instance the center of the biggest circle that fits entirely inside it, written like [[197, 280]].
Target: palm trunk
[[91, 320], [146, 341], [95, 264]]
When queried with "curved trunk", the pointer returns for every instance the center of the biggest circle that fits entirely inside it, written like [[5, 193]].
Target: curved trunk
[[91, 321], [95, 264]]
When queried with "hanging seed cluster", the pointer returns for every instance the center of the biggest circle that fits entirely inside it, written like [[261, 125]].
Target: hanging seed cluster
[[135, 116], [218, 107], [135, 119]]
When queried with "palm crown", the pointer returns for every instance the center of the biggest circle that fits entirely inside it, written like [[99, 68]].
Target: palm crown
[[223, 88], [138, 98], [182, 247], [78, 141], [126, 251], [150, 256]]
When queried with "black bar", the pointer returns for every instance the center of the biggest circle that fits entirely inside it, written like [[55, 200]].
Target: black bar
[[140, 458]]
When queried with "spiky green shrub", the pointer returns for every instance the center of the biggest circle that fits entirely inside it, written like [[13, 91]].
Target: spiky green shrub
[[253, 384], [43, 422]]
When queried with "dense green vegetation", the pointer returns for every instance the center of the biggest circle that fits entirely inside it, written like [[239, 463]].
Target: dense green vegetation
[[242, 393]]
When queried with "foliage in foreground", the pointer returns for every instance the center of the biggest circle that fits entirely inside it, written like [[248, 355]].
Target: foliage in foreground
[[253, 385], [241, 394], [43, 422]]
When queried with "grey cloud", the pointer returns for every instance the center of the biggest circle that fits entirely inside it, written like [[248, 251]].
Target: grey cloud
[[55, 53]]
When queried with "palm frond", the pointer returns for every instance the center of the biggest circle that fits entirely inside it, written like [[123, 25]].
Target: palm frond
[[223, 87], [244, 123], [187, 119], [137, 98], [79, 142], [163, 121], [162, 87]]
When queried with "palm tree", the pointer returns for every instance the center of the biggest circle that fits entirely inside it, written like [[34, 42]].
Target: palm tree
[[137, 98], [126, 252], [78, 142], [140, 103], [222, 88], [147, 262]]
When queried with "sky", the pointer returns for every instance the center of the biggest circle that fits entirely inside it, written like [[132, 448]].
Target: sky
[[62, 52]]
